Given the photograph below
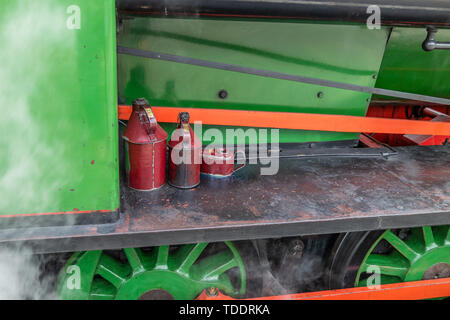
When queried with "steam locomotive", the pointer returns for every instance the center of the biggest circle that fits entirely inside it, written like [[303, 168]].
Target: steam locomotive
[[350, 99]]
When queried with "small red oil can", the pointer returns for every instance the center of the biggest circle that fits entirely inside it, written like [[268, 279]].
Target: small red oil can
[[145, 149], [218, 161], [185, 155]]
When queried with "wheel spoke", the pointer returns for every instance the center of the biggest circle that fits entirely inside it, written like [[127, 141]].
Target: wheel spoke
[[134, 257], [400, 246], [212, 267], [162, 257], [191, 257], [387, 265], [428, 237], [112, 270]]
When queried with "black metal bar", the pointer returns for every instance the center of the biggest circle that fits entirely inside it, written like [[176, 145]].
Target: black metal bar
[[393, 12], [278, 75], [221, 233]]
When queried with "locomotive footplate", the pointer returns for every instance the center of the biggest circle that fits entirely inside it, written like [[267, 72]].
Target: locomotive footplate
[[349, 190]]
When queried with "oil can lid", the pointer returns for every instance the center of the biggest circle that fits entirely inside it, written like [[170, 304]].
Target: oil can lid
[[140, 103], [183, 118]]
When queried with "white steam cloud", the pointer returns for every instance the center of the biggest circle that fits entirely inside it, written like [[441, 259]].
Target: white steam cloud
[[27, 35], [21, 277], [31, 170]]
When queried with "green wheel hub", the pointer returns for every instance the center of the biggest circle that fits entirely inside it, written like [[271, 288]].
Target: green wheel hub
[[180, 273], [422, 253]]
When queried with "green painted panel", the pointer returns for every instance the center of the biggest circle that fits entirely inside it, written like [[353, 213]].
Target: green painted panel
[[58, 96], [407, 67], [344, 53]]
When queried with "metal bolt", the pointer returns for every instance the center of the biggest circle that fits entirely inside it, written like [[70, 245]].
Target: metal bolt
[[223, 94]]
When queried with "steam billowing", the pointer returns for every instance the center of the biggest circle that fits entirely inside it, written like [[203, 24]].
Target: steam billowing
[[30, 168], [23, 276]]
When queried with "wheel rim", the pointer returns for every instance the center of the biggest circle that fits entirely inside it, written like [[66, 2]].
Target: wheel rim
[[423, 253], [164, 272]]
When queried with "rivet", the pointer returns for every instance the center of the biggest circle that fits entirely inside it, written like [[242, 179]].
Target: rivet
[[223, 94]]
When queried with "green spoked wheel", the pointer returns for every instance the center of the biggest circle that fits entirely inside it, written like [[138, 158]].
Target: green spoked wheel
[[165, 272], [393, 255], [424, 253]]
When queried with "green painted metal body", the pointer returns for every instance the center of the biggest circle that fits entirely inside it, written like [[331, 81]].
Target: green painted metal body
[[347, 53], [58, 98], [183, 272], [407, 67]]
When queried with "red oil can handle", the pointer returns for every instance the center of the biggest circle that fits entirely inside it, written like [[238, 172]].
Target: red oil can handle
[[146, 116], [148, 120]]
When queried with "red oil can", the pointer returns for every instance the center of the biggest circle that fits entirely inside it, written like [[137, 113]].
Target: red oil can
[[145, 149], [218, 162], [184, 155]]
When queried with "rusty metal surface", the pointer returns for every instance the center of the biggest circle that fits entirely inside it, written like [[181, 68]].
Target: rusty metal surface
[[307, 196]]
